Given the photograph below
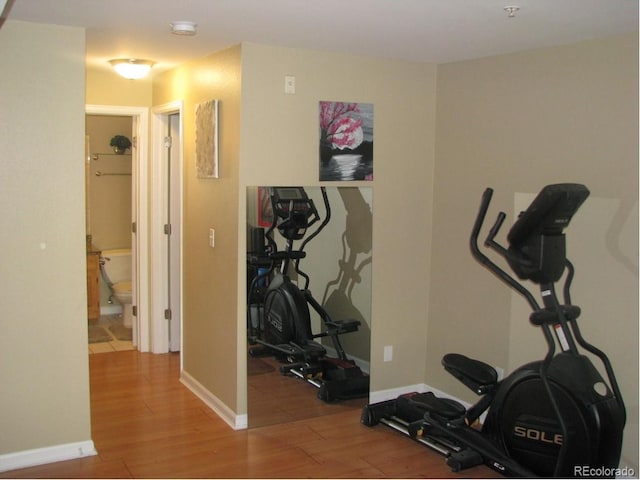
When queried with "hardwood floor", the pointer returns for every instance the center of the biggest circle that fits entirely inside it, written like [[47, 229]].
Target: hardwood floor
[[146, 424]]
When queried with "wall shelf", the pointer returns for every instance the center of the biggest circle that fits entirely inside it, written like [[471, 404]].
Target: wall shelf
[[96, 156]]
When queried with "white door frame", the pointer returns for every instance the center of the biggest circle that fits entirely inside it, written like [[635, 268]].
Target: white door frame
[[159, 240], [140, 117]]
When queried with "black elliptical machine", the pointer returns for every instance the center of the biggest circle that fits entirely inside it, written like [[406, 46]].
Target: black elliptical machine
[[554, 417], [279, 319]]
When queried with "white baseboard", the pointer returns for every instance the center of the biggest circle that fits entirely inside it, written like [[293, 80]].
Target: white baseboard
[[237, 422], [40, 456], [383, 395], [441, 394], [392, 393]]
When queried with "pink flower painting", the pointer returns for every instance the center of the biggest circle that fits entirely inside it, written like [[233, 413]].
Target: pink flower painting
[[339, 124], [346, 141]]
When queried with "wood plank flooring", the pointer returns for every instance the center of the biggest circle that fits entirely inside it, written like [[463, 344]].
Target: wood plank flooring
[[146, 424]]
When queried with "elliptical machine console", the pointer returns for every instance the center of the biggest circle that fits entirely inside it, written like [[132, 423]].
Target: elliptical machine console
[[283, 327], [547, 418]]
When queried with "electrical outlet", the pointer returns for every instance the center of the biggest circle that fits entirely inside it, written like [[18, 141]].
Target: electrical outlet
[[212, 237]]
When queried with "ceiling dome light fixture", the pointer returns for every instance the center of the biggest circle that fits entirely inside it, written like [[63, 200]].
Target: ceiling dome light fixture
[[183, 28], [131, 68]]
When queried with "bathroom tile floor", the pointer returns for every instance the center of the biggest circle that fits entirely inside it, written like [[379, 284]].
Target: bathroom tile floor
[[113, 345]]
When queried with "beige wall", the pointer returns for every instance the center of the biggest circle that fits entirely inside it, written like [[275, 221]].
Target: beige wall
[[280, 146], [210, 287], [105, 87], [43, 346], [515, 123], [108, 183]]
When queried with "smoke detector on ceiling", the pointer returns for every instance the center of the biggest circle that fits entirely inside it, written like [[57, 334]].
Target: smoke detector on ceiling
[[511, 10], [183, 28]]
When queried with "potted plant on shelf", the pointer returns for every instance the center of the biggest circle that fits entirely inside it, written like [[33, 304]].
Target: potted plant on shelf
[[120, 143]]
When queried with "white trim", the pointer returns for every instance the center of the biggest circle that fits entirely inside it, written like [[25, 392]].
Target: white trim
[[441, 394], [40, 456], [242, 422], [237, 422], [141, 218], [384, 395], [392, 393]]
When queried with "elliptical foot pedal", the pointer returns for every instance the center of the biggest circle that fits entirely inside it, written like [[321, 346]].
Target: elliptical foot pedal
[[345, 389], [466, 458], [344, 326], [439, 407]]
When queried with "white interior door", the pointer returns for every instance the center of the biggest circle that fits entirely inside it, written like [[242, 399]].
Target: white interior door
[[166, 228], [135, 207], [174, 243]]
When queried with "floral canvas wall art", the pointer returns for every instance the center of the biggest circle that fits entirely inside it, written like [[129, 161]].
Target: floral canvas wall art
[[346, 141], [207, 139]]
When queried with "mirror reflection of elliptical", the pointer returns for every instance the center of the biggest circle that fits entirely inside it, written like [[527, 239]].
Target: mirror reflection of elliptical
[[337, 261]]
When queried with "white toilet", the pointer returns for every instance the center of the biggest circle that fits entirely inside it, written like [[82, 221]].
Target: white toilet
[[117, 269]]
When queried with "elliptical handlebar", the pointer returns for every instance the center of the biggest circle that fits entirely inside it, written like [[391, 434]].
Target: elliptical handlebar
[[327, 218], [491, 243], [494, 231], [293, 214]]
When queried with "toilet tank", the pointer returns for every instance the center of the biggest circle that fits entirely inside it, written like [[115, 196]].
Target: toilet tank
[[117, 264]]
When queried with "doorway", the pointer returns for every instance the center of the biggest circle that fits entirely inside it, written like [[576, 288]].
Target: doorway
[[139, 215], [108, 186], [156, 222], [166, 236]]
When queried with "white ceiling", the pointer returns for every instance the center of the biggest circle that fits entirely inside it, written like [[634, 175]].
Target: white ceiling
[[416, 30]]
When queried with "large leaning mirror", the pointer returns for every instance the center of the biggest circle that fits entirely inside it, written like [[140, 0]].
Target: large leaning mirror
[[308, 250]]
